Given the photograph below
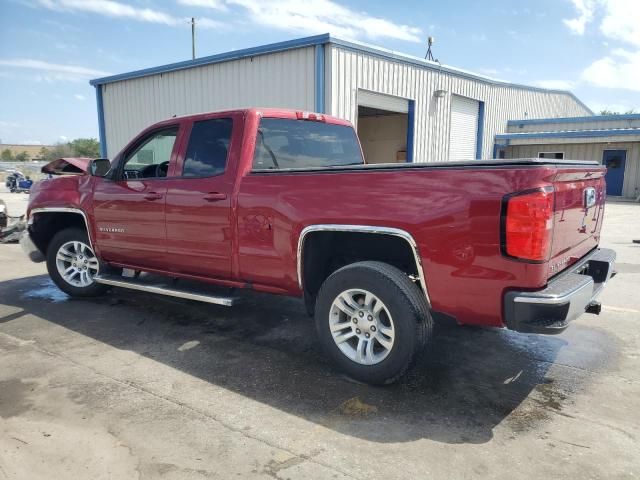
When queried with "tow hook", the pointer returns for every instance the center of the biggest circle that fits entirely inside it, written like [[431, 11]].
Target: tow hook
[[594, 307]]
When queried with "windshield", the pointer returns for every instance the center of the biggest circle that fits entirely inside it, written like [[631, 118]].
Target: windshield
[[283, 143]]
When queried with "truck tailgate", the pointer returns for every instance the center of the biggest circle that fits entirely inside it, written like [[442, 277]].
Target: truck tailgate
[[578, 212]]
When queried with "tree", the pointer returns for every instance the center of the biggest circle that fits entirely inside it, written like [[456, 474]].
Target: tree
[[85, 147], [22, 157], [60, 150], [611, 112], [6, 155]]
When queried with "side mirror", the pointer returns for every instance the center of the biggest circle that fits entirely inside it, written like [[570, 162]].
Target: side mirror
[[99, 167]]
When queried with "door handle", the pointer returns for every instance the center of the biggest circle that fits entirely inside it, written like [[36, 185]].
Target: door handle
[[215, 196], [153, 196]]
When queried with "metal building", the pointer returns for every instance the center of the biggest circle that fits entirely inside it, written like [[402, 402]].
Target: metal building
[[613, 140], [405, 108]]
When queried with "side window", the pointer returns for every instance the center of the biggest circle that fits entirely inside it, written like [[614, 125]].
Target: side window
[[208, 148], [151, 158]]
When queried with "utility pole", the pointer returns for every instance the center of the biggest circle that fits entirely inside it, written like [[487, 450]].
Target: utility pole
[[193, 38]]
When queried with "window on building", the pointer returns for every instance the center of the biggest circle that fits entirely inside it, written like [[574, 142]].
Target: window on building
[[208, 148], [551, 155]]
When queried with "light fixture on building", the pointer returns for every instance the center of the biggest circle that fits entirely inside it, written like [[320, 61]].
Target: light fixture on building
[[439, 92]]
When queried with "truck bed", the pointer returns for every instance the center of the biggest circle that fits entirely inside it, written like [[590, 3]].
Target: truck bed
[[497, 163]]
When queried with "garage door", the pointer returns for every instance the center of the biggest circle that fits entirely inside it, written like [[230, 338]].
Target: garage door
[[464, 128], [382, 101]]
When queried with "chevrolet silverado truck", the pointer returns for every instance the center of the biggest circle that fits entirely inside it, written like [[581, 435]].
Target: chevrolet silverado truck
[[283, 202]]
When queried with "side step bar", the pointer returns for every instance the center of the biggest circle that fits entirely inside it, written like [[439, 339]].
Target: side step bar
[[165, 288]]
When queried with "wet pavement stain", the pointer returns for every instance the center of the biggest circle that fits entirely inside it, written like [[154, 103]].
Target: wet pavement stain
[[14, 397]]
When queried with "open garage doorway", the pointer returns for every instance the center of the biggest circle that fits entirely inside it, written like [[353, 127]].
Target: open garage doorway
[[385, 127]]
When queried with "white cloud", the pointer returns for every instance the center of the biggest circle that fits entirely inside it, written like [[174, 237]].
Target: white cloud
[[555, 84], [321, 16], [62, 138], [50, 72], [213, 4], [111, 8], [618, 22], [585, 15], [620, 69], [80, 97], [622, 21]]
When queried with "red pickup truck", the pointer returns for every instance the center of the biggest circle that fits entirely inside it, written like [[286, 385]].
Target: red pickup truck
[[282, 201]]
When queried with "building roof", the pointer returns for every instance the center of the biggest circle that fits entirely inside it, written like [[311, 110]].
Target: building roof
[[591, 118], [319, 40], [602, 132]]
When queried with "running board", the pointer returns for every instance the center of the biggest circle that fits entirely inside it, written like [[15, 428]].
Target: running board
[[165, 288]]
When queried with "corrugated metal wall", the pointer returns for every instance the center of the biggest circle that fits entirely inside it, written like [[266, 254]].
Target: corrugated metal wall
[[589, 151], [564, 126], [285, 79], [349, 70]]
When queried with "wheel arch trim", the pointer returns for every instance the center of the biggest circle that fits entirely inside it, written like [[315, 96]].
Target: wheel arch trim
[[375, 230], [76, 211]]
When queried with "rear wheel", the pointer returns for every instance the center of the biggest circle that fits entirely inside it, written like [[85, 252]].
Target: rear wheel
[[72, 264], [372, 321]]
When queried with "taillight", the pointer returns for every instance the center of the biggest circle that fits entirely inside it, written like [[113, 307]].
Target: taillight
[[527, 224]]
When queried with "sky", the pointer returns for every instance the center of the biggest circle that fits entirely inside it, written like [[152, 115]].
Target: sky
[[50, 49]]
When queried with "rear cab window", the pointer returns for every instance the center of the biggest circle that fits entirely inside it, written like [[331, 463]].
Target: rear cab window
[[293, 144]]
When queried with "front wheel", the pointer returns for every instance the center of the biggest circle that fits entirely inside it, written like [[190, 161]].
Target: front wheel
[[72, 264], [372, 321]]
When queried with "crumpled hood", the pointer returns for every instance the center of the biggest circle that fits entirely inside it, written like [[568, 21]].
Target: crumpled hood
[[67, 166]]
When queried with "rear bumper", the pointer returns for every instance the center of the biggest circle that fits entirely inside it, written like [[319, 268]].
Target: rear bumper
[[565, 298], [29, 248]]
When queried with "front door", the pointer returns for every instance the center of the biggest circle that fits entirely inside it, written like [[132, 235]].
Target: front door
[[198, 207], [129, 207], [615, 161]]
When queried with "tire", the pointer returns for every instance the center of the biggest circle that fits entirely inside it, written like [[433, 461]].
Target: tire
[[402, 323], [89, 264]]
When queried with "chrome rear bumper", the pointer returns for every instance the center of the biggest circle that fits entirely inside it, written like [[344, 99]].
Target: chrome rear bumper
[[566, 297]]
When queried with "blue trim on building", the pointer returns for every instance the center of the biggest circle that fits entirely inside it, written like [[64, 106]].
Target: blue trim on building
[[320, 88], [480, 133], [221, 57], [321, 40], [593, 118], [613, 132], [497, 146], [101, 129], [411, 127]]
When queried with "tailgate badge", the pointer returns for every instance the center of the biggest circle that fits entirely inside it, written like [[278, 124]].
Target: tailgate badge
[[589, 197]]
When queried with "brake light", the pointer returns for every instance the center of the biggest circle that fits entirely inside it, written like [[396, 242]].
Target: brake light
[[527, 224], [314, 117]]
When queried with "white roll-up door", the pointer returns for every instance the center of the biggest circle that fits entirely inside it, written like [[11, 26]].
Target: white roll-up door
[[464, 128], [382, 101]]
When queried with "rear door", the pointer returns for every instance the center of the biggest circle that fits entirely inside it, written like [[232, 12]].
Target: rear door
[[200, 232], [129, 208]]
